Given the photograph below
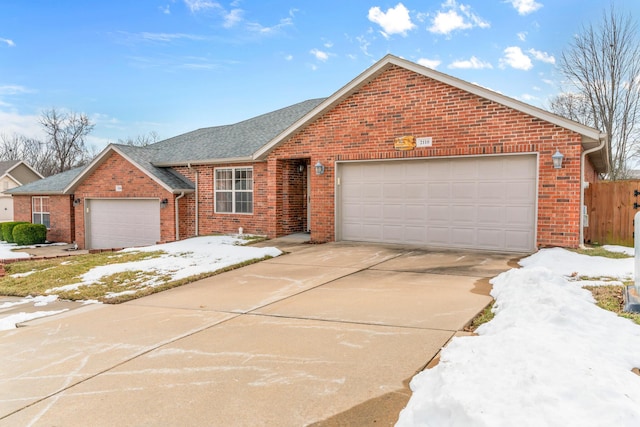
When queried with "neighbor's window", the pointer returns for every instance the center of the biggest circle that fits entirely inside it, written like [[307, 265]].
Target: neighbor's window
[[234, 190], [40, 209]]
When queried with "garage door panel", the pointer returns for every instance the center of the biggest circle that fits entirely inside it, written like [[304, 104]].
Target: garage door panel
[[118, 223], [485, 202], [438, 213], [491, 190], [438, 235], [463, 190], [438, 190], [462, 236], [464, 214], [416, 213]]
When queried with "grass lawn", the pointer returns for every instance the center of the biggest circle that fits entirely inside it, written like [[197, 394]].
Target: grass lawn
[[36, 277]]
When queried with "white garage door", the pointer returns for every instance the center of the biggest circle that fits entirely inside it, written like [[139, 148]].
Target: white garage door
[[473, 202], [121, 223]]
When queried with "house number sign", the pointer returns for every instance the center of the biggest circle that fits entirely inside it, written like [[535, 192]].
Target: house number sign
[[407, 143]]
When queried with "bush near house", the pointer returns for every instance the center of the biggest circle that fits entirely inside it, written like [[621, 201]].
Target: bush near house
[[29, 234], [7, 230]]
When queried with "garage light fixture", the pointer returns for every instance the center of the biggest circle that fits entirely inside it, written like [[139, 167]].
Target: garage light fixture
[[557, 159], [76, 202], [319, 168], [164, 203]]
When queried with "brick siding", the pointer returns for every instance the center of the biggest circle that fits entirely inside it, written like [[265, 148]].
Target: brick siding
[[399, 102], [101, 183]]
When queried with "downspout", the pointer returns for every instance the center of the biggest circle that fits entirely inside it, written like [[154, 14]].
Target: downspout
[[197, 201], [582, 160], [178, 216]]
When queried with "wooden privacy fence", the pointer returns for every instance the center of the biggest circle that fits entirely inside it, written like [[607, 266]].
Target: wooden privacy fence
[[611, 206]]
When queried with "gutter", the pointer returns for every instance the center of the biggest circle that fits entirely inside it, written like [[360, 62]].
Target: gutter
[[186, 163], [178, 216], [583, 156], [197, 174]]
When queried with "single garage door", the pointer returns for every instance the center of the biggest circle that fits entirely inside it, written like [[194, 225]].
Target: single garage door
[[121, 223], [484, 202]]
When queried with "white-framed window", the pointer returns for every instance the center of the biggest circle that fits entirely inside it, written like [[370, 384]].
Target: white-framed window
[[233, 190], [40, 210]]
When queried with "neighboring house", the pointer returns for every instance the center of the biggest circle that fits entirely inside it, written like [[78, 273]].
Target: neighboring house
[[401, 154], [13, 173]]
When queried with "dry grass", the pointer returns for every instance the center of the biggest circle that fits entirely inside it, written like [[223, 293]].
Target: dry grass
[[600, 251], [36, 277], [611, 297]]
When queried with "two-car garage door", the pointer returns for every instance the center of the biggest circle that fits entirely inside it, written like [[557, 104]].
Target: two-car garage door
[[484, 202], [121, 223]]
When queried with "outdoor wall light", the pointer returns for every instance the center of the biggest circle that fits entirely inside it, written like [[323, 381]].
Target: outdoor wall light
[[319, 168], [164, 203], [557, 159], [76, 202]]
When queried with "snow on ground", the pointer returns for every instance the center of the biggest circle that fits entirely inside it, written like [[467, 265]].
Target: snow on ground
[[182, 259], [6, 251], [9, 321], [550, 357]]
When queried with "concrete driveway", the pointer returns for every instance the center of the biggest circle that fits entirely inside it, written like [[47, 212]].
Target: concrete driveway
[[327, 335]]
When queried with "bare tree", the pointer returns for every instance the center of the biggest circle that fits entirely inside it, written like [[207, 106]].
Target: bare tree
[[66, 133], [141, 140], [31, 150], [602, 66]]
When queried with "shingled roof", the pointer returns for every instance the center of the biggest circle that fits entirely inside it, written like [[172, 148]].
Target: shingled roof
[[55, 184], [232, 142], [208, 145]]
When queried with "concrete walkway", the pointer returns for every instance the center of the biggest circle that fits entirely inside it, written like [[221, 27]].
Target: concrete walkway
[[327, 335]]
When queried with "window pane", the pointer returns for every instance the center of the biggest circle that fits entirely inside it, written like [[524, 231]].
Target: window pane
[[224, 179], [244, 202], [224, 202], [46, 220], [45, 204]]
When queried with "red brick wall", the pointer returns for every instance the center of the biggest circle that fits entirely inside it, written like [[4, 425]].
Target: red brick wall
[[399, 102], [61, 216], [116, 170], [210, 222]]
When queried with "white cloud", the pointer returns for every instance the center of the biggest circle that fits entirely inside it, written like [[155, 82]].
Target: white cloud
[[471, 63], [453, 17], [542, 56], [198, 5], [12, 123], [165, 9], [168, 37], [288, 57], [527, 97], [9, 42], [525, 7], [522, 36], [232, 18], [429, 63], [260, 29], [515, 58], [14, 90], [320, 55], [395, 21]]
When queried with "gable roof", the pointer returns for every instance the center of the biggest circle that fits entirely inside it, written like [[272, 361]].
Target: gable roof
[[236, 142], [140, 157], [7, 166], [591, 137]]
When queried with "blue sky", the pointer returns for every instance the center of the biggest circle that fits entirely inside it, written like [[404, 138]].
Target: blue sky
[[172, 66]]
